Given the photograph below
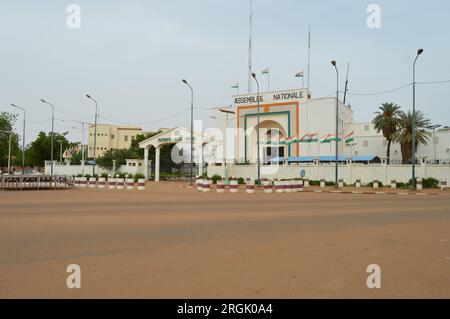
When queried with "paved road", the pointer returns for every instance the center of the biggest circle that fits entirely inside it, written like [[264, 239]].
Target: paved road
[[169, 241]]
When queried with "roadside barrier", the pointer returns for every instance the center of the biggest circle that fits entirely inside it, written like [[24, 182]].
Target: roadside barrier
[[206, 185], [443, 185], [221, 186], [306, 183], [278, 186], [376, 184], [130, 183], [111, 183], [141, 184], [101, 182], [341, 183], [120, 183], [199, 183], [77, 181], [358, 183], [419, 183], [250, 186], [92, 182], [234, 186], [267, 185], [393, 184], [322, 183]]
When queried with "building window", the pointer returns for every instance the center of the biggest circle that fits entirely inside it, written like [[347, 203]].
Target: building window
[[366, 143], [366, 128], [126, 138], [112, 136]]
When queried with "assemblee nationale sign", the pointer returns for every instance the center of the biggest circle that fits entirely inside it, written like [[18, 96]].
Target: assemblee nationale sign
[[174, 140], [271, 97]]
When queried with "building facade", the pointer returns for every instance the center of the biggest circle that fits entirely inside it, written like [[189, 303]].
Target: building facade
[[110, 137], [305, 128]]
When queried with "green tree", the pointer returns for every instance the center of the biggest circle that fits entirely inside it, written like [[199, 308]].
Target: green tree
[[404, 134], [120, 156], [39, 150], [7, 121], [387, 121]]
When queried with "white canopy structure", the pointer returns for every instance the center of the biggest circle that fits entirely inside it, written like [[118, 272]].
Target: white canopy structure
[[177, 135]]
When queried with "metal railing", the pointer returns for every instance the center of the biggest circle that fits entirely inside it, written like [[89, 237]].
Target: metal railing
[[35, 182]]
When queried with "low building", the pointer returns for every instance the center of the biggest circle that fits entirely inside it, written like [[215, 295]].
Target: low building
[[110, 137]]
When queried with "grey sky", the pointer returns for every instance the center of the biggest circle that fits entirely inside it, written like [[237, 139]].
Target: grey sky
[[132, 55]]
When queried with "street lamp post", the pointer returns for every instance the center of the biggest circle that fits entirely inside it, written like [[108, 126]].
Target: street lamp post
[[336, 178], [257, 131], [419, 52], [192, 127], [53, 126], [95, 132], [23, 136]]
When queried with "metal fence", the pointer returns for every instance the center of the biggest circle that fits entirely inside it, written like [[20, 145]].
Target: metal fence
[[35, 182]]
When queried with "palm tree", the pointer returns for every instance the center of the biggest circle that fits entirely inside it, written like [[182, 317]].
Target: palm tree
[[404, 133], [387, 121]]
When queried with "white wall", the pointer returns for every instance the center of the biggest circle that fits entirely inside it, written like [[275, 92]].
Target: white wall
[[73, 170], [348, 172]]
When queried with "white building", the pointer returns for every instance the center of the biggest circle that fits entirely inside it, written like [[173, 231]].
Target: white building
[[292, 115]]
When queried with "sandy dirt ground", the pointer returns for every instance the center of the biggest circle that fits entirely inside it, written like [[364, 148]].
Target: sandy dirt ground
[[172, 242]]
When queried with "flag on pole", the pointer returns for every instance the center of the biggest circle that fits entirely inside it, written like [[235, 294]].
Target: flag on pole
[[349, 138], [265, 71], [299, 74], [326, 138]]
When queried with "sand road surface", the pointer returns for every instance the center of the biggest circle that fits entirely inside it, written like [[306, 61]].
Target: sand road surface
[[172, 242]]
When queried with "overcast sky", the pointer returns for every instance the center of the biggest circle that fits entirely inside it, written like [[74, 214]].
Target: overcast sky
[[132, 55]]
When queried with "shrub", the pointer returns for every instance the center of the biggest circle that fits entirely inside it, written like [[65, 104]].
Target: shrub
[[430, 183], [314, 183], [380, 184], [138, 177], [216, 178], [241, 180]]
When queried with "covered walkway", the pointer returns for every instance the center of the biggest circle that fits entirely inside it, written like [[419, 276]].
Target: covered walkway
[[177, 135]]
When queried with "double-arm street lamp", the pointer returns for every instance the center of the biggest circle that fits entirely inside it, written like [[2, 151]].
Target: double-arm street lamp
[[95, 132], [192, 127], [23, 136], [257, 131], [336, 173], [419, 52], [53, 126]]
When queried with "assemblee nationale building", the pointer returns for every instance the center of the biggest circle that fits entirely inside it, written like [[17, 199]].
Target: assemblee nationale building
[[296, 128], [293, 128]]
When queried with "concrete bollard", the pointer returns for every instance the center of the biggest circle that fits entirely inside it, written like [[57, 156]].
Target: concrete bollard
[[199, 183], [443, 184], [76, 181], [278, 186], [322, 183], [141, 184], [393, 184], [206, 185], [234, 186], [358, 183], [220, 186], [295, 186], [267, 185], [92, 182], [250, 186], [306, 183], [419, 183], [120, 183], [130, 183], [83, 182], [341, 183], [101, 182], [111, 183], [376, 184]]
